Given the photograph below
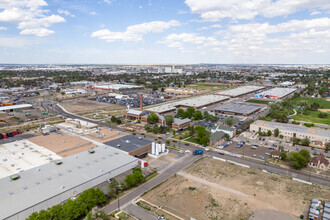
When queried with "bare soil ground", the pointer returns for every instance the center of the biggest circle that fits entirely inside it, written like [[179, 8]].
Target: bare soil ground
[[85, 106], [62, 144], [212, 189]]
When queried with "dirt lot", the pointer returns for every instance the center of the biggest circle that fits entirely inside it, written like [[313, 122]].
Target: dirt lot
[[62, 144], [211, 189], [85, 106]]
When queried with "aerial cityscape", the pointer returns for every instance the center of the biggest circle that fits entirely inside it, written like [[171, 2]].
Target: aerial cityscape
[[178, 109]]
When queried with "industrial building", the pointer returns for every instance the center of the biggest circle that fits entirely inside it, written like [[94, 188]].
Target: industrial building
[[276, 93], [240, 91], [201, 101], [11, 108], [198, 102], [318, 137], [23, 155], [132, 145], [239, 109], [118, 88], [50, 184]]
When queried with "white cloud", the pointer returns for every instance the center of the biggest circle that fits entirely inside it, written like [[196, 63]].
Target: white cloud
[[92, 13], [29, 15], [65, 12], [39, 32], [214, 10], [180, 12], [108, 1], [211, 26], [135, 32], [140, 6], [3, 28], [316, 13]]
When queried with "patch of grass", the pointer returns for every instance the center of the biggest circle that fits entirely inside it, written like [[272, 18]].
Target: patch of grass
[[192, 140], [258, 101], [183, 135], [151, 177], [267, 118], [324, 104], [312, 117]]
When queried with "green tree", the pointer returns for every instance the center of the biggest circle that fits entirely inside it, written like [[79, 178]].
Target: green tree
[[152, 118], [276, 132], [180, 112], [155, 129], [284, 156], [58, 89], [323, 115], [204, 140], [191, 111], [229, 122], [206, 115], [198, 115], [186, 114], [305, 141], [169, 119], [296, 140], [113, 119], [113, 188], [147, 127], [174, 132], [297, 160], [269, 133], [327, 146], [314, 106], [306, 154], [226, 136]]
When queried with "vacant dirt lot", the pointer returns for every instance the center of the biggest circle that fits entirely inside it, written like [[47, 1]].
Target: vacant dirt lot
[[211, 189], [85, 106]]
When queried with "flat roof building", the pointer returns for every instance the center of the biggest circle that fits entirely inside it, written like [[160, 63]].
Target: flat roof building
[[112, 87], [243, 90], [13, 107], [132, 145], [195, 102], [318, 137], [276, 93], [241, 109], [50, 184]]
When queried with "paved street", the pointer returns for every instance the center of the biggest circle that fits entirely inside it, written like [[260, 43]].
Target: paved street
[[167, 172]]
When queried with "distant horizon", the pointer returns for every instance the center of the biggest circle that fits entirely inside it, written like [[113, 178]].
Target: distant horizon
[[158, 64], [126, 32]]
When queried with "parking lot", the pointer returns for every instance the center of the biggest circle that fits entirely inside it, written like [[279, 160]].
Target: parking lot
[[248, 151]]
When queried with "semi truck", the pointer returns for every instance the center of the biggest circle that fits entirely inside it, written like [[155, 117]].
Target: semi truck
[[10, 134], [196, 152]]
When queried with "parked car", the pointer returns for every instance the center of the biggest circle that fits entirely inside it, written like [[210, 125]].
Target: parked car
[[254, 155], [221, 153], [268, 154], [186, 144], [254, 147], [261, 157], [266, 163], [181, 151]]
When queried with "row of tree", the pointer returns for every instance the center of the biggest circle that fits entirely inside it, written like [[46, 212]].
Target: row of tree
[[191, 113], [72, 209]]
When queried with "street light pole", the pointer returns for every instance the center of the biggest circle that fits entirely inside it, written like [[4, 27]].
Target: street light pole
[[118, 202]]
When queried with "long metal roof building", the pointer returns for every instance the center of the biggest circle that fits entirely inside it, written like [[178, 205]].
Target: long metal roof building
[[50, 184]]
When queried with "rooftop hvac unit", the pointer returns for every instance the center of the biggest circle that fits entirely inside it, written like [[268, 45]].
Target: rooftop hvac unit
[[127, 141], [58, 162], [14, 177], [91, 151], [118, 145]]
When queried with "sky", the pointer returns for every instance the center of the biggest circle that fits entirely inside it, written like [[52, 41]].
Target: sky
[[164, 31]]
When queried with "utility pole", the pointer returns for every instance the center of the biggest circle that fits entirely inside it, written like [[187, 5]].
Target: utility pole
[[118, 201]]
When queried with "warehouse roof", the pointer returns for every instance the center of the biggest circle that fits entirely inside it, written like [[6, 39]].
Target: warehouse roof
[[47, 181], [162, 108], [239, 108], [240, 91], [277, 92], [116, 86], [10, 107], [129, 143], [201, 101], [196, 102], [134, 112]]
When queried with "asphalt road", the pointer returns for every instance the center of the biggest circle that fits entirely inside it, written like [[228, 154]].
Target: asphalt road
[[166, 173]]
